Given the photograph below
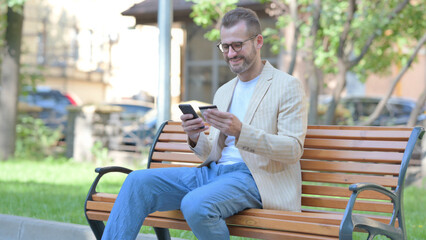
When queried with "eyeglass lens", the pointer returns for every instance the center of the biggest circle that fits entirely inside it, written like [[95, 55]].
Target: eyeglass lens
[[236, 46]]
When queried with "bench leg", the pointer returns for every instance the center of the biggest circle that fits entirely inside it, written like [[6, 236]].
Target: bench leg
[[97, 228], [162, 233]]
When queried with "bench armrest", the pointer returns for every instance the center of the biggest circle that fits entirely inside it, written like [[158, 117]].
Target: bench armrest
[[101, 172], [359, 187], [105, 170], [350, 221]]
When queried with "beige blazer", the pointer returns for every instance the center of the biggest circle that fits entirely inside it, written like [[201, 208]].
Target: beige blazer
[[271, 139]]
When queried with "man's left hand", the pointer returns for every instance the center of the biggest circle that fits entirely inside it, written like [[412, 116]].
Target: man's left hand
[[226, 122]]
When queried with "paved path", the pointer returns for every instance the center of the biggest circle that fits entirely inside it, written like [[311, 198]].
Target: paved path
[[24, 228]]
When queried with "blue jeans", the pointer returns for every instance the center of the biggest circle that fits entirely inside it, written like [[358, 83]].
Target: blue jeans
[[206, 196]]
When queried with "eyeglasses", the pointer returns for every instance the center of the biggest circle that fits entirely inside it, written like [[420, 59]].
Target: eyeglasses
[[237, 46]]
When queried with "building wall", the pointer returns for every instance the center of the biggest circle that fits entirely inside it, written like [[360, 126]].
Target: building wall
[[411, 85], [89, 49]]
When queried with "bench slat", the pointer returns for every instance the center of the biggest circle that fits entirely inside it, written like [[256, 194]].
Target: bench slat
[[350, 167], [99, 206], [274, 235], [284, 225], [340, 192], [173, 128], [386, 169], [271, 221], [235, 230], [359, 134], [162, 165], [176, 157], [324, 218], [355, 156], [339, 203], [104, 197], [96, 215], [386, 181], [396, 146], [172, 147], [333, 219], [375, 128], [175, 137]]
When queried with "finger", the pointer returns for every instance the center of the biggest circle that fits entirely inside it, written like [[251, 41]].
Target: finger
[[217, 113], [186, 117], [213, 119], [191, 125], [217, 123]]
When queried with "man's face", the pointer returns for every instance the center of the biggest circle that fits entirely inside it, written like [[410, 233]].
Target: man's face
[[240, 61]]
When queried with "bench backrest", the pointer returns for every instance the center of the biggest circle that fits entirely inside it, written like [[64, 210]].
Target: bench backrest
[[334, 157]]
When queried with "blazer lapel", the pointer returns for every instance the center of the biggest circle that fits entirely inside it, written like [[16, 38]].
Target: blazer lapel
[[262, 87], [225, 101]]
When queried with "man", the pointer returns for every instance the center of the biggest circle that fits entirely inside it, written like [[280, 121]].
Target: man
[[251, 154]]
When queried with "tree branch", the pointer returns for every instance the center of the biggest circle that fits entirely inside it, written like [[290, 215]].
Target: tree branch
[[375, 33], [384, 100], [346, 28], [296, 24]]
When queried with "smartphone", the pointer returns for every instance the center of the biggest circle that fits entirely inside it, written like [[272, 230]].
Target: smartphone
[[187, 109], [204, 108]]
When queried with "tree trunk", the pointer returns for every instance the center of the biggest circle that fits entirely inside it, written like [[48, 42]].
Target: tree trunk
[[296, 31], [313, 72], [384, 100], [315, 82], [341, 83], [9, 82], [419, 107]]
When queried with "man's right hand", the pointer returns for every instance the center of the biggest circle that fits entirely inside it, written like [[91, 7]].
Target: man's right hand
[[193, 127]]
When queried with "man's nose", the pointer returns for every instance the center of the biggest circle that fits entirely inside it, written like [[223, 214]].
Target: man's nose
[[231, 53]]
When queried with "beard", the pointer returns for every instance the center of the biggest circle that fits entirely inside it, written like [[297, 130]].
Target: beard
[[247, 62]]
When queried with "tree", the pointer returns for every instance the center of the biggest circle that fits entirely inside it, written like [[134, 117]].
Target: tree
[[336, 37], [9, 78], [383, 101]]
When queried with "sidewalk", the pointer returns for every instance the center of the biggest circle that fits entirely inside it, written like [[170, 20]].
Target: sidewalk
[[24, 228]]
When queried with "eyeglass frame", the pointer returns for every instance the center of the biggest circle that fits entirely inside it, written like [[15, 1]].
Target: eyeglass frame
[[231, 44]]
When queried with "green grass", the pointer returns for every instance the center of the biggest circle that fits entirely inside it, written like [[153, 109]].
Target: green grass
[[56, 189]]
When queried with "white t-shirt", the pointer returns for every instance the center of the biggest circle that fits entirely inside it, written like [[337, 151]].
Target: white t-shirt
[[239, 105]]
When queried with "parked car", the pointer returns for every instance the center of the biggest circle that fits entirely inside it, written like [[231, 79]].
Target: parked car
[[137, 131], [354, 110], [132, 109], [53, 104]]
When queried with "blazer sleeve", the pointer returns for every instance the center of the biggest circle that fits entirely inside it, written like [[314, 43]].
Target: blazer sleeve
[[203, 147], [286, 145]]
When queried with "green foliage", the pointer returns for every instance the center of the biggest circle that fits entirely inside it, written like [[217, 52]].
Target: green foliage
[[30, 76], [393, 38], [16, 5], [34, 139], [206, 13]]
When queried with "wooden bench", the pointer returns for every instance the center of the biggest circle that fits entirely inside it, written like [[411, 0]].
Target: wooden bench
[[353, 178]]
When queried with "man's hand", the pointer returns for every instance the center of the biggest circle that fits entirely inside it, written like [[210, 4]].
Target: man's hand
[[192, 127], [226, 122]]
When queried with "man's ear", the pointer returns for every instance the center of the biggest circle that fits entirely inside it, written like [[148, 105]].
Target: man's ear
[[259, 41]]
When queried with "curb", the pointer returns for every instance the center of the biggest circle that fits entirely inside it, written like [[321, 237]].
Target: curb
[[25, 228]]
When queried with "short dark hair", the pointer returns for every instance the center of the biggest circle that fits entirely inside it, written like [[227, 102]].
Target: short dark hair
[[233, 17]]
